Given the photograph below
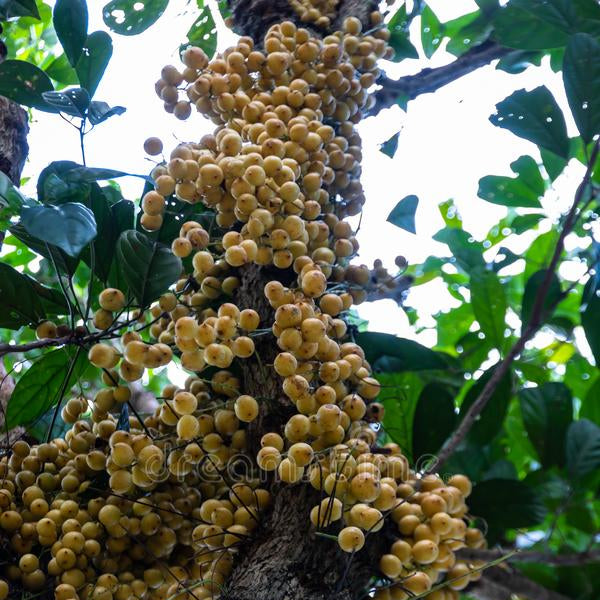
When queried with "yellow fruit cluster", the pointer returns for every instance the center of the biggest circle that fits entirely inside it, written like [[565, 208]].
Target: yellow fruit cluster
[[147, 510]]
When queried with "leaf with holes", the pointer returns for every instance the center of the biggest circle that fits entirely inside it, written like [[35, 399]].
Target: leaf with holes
[[535, 116], [547, 412], [583, 448], [94, 59], [148, 268], [9, 9], [70, 19], [70, 226], [72, 102], [581, 75], [431, 31], [399, 37], [524, 190], [202, 33], [100, 111], [130, 17], [38, 388], [25, 83], [489, 304], [403, 214]]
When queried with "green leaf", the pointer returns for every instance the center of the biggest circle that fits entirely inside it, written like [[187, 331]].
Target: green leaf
[[70, 20], [581, 75], [61, 71], [80, 174], [130, 17], [590, 317], [390, 146], [590, 407], [148, 268], [202, 33], [39, 387], [93, 60], [431, 31], [72, 102], [518, 60], [525, 190], [583, 448], [100, 111], [19, 302], [453, 325], [40, 427], [490, 421], [529, 296], [553, 164], [11, 201], [434, 420], [535, 116], [506, 503], [9, 9], [467, 252], [489, 304], [69, 226], [399, 37], [405, 355], [24, 83], [522, 223], [539, 254], [403, 214], [547, 412]]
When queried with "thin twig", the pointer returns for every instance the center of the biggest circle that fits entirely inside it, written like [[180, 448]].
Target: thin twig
[[548, 558]]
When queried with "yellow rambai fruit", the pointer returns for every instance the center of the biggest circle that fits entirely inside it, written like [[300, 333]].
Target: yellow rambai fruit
[[351, 539]]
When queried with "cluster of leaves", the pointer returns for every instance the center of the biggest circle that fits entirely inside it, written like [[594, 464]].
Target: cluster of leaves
[[534, 451]]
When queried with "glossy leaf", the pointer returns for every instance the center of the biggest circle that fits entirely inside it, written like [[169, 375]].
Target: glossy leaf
[[93, 60], [490, 421], [131, 17], [69, 226], [100, 111], [408, 355], [148, 268], [403, 214], [24, 83], [38, 389], [583, 448], [72, 102], [524, 190], [581, 75], [19, 302], [532, 288], [489, 304], [9, 9], [81, 174], [535, 116], [547, 412], [434, 420], [70, 19]]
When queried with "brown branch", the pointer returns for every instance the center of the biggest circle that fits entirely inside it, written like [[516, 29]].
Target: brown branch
[[430, 80], [563, 560], [537, 315]]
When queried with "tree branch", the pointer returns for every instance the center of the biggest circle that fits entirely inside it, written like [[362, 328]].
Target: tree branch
[[563, 560], [516, 585], [430, 80], [535, 323]]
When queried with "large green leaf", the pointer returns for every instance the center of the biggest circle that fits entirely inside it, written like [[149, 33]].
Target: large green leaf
[[19, 303], [148, 268], [581, 74], [451, 326], [73, 102], [431, 31], [467, 251], [525, 190], [434, 420], [9, 9], [539, 254], [590, 407], [70, 20], [590, 316], [24, 83], [403, 214], [547, 412], [130, 17], [489, 304], [38, 389], [203, 33], [490, 421], [535, 116], [583, 448], [93, 60], [506, 503], [551, 297], [406, 355], [399, 37], [69, 226]]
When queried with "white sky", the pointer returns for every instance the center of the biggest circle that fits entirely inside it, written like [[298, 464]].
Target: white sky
[[446, 145]]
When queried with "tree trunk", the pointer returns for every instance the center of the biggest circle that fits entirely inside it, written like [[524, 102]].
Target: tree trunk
[[285, 560]]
